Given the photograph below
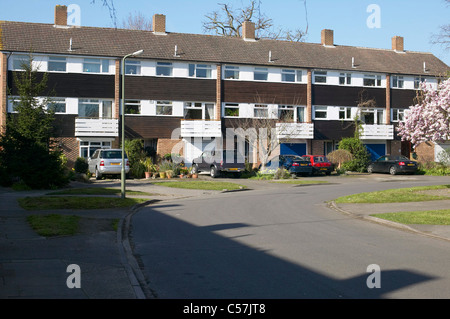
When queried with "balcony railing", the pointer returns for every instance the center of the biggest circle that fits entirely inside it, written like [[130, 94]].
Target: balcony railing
[[377, 132], [96, 127], [295, 130], [201, 128]]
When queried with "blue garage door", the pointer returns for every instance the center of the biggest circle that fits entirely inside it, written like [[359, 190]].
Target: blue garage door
[[293, 149], [376, 150]]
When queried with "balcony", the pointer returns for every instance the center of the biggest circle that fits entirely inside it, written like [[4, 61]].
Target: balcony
[[377, 132], [201, 128], [96, 127], [295, 130]]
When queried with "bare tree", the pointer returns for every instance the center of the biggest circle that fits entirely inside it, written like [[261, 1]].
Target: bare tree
[[228, 21], [112, 10], [137, 21], [443, 37]]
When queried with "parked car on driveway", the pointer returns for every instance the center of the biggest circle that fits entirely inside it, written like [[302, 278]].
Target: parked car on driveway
[[294, 164], [218, 162], [107, 161], [393, 164], [320, 164]]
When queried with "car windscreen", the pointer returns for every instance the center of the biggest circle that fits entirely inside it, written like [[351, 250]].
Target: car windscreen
[[112, 155]]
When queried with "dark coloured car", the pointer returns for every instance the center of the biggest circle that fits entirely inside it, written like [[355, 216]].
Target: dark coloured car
[[320, 164], [218, 162], [294, 164], [393, 164]]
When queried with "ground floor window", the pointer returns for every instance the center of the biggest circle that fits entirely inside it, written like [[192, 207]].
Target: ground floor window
[[87, 148]]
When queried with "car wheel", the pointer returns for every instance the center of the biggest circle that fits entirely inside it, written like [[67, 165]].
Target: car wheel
[[194, 169], [214, 173], [98, 175], [393, 170], [370, 169]]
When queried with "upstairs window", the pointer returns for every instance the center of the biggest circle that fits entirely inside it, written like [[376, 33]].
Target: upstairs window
[[20, 60], [320, 76], [164, 108], [320, 112], [261, 74], [231, 72], [372, 80], [398, 82], [132, 67], [286, 113], [345, 79], [345, 113], [132, 107], [261, 111], [200, 71], [231, 110], [57, 105], [95, 65], [417, 81], [288, 75], [57, 64], [164, 68], [398, 115]]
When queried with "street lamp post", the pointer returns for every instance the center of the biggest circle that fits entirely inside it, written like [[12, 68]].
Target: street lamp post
[[123, 174]]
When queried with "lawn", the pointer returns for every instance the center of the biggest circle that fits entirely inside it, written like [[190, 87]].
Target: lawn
[[202, 185], [76, 202], [429, 217], [402, 195], [54, 225]]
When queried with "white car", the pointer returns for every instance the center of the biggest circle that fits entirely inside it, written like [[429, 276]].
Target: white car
[[107, 162]]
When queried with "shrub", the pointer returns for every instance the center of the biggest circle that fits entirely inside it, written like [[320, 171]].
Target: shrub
[[338, 157], [435, 169], [361, 157], [81, 165], [282, 173]]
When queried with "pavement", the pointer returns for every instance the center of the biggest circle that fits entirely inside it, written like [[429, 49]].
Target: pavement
[[36, 267]]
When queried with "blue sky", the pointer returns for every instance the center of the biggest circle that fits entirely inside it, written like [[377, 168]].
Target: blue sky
[[415, 20]]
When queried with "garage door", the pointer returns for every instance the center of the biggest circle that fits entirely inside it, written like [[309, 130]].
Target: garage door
[[376, 150], [293, 149]]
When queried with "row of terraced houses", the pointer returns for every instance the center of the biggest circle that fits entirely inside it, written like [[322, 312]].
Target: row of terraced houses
[[185, 90]]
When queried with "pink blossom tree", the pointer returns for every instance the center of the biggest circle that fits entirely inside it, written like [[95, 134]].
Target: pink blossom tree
[[429, 119]]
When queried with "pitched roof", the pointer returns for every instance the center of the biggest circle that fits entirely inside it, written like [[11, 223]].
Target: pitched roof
[[109, 42]]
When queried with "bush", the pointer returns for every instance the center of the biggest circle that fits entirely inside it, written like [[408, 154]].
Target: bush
[[435, 169], [361, 157], [81, 165], [282, 173], [338, 157]]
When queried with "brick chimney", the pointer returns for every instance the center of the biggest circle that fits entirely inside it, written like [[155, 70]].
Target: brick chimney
[[61, 15], [159, 24], [397, 44], [248, 31], [327, 37]]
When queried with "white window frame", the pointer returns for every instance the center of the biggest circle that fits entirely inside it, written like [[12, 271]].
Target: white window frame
[[94, 145], [377, 114], [320, 109], [102, 64], [203, 107], [234, 106], [261, 108], [417, 81], [18, 60], [164, 66], [320, 77], [260, 71], [55, 60], [102, 104], [231, 72], [131, 65], [291, 72], [398, 82], [372, 77], [347, 77], [398, 115], [133, 103], [164, 105], [196, 70], [59, 101], [347, 111]]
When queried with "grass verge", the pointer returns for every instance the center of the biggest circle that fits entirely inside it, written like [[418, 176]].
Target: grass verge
[[54, 225], [203, 185], [429, 217], [76, 202], [97, 191], [401, 195]]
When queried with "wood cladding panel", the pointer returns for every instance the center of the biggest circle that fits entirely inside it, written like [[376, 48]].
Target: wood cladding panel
[[261, 92], [402, 98], [73, 85], [150, 126], [333, 130], [64, 125], [170, 89], [346, 96]]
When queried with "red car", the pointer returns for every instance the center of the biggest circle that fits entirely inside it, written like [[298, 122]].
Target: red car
[[320, 164]]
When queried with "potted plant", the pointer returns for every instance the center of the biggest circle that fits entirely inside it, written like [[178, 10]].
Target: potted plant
[[183, 172], [150, 168], [162, 174], [169, 173]]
